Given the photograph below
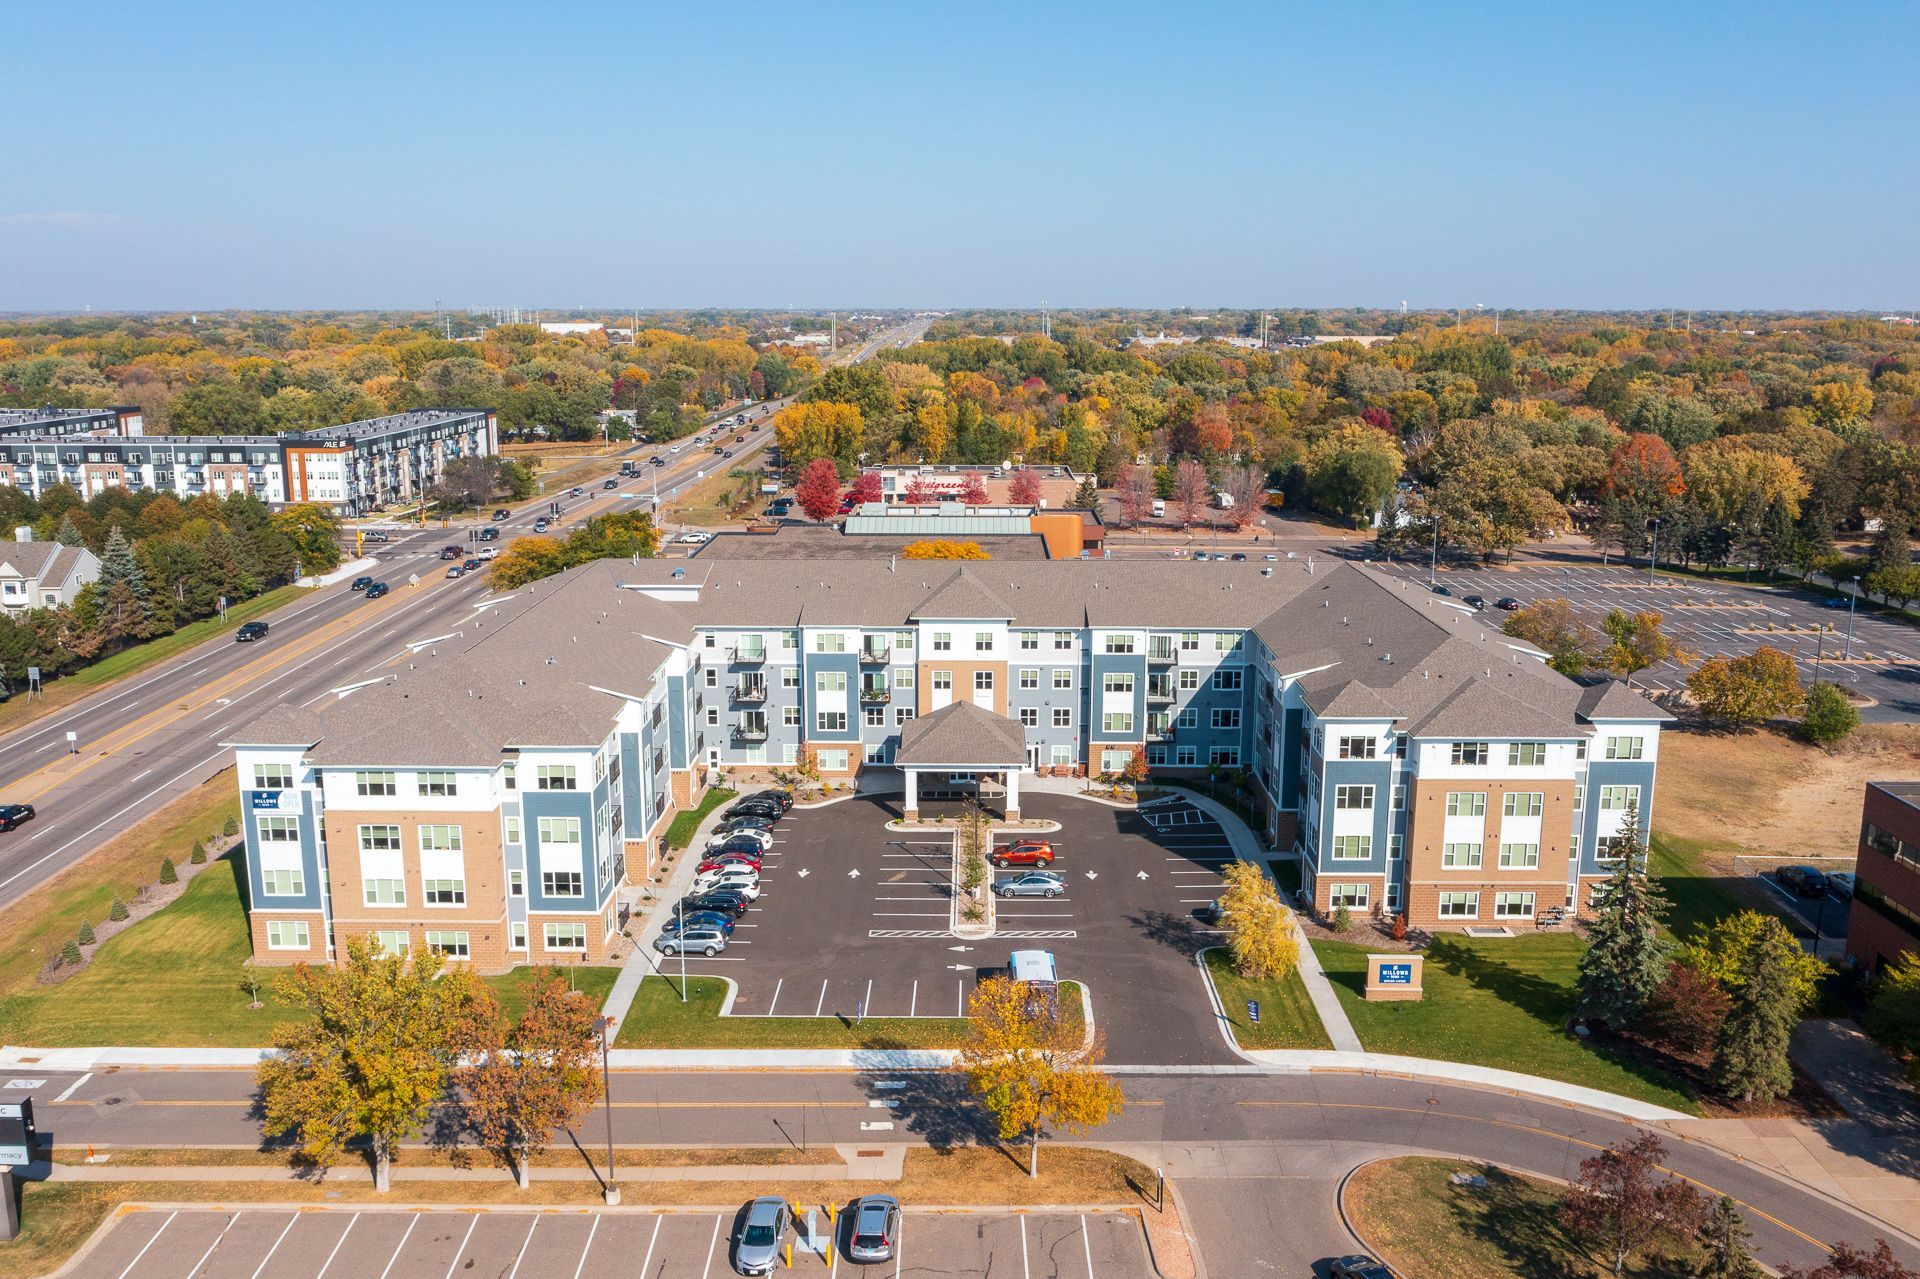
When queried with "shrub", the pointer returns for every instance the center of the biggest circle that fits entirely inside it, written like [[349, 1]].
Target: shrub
[[86, 933], [1828, 717], [230, 827], [70, 952], [199, 855], [1400, 926], [1685, 1011], [168, 874], [1342, 919], [118, 911]]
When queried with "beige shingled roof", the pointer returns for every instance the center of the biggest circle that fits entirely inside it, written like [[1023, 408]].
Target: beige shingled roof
[[959, 735]]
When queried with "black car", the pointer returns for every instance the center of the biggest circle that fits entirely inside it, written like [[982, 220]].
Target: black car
[[11, 815], [375, 591], [754, 808], [1474, 601], [501, 515], [362, 583], [610, 484], [1358, 1266], [748, 821], [1508, 604], [716, 851], [1238, 557], [718, 900], [469, 565], [1441, 590], [488, 535], [779, 798], [249, 632], [1802, 881]]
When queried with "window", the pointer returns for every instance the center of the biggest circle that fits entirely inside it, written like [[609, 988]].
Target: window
[[559, 830], [452, 945], [1459, 905], [1617, 799], [435, 783], [1353, 797], [830, 682], [790, 717], [943, 641], [1526, 754], [440, 839], [1352, 848], [509, 776], [983, 681], [1466, 803], [1626, 747], [1117, 722], [1030, 716], [1395, 847], [1460, 856], [1116, 682], [1358, 748], [287, 934], [445, 892], [1190, 717], [983, 641], [832, 761], [384, 892], [1352, 896], [1226, 717], [1579, 797], [830, 642], [1227, 681], [279, 830], [874, 717], [902, 714], [374, 783], [1228, 756], [1513, 905], [1186, 756], [516, 883], [1029, 677], [713, 677], [379, 839], [1469, 752], [1519, 856], [1119, 644], [511, 823], [1063, 717], [1029, 641], [1399, 798], [273, 776], [1393, 897], [1063, 677], [561, 883], [1225, 641], [713, 716], [830, 721], [1189, 678], [789, 677], [556, 777], [942, 681], [282, 882], [1521, 803], [565, 936], [1190, 641], [391, 941], [1579, 752], [516, 936]]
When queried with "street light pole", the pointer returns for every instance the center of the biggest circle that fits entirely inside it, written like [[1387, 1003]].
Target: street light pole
[[1852, 599], [605, 1025], [1433, 563], [1653, 557]]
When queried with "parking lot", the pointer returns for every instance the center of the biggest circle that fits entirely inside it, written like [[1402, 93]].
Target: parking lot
[[855, 920], [1717, 619], [341, 1243]]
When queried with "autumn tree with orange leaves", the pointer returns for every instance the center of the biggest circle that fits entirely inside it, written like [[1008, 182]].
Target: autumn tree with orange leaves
[[1032, 1068]]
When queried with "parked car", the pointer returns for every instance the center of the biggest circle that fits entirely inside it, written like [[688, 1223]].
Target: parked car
[[501, 514], [778, 798], [361, 583], [1032, 884], [687, 922], [1508, 604], [1238, 557], [1802, 881], [738, 879], [876, 1227], [1027, 852], [1441, 590], [1358, 1266], [754, 808], [756, 836], [1841, 882], [694, 539], [1835, 601], [11, 815], [375, 591], [757, 1251], [706, 940], [749, 821], [723, 902], [1474, 601], [249, 632], [451, 552]]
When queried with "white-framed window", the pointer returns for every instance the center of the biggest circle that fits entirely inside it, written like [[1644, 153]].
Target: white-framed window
[[830, 642], [288, 934], [1226, 717], [1579, 797], [392, 942], [1116, 682], [1526, 754], [1470, 752], [1522, 803], [830, 721], [874, 717], [901, 714], [1186, 756], [1119, 644], [1190, 641], [1513, 905], [1466, 803], [789, 677], [942, 681], [451, 944], [562, 883], [983, 641], [1029, 677], [564, 936], [1063, 641], [384, 891], [1352, 896], [556, 777], [278, 830], [444, 892], [374, 783], [1029, 641], [1519, 856], [1626, 747], [273, 776], [830, 681], [1393, 898], [440, 839], [1116, 722], [713, 717], [282, 881], [439, 782], [1227, 681], [790, 717], [510, 825], [983, 681], [943, 641], [1030, 716], [509, 776], [1460, 856], [1225, 641], [1396, 846], [1226, 755], [1399, 797], [1459, 906], [1617, 799], [833, 761], [1063, 717], [379, 839], [516, 936], [1358, 748], [1353, 796], [1190, 717], [516, 883], [1063, 677], [1352, 848], [1188, 678]]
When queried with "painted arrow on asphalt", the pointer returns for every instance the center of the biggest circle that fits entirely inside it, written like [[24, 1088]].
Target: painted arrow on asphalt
[[960, 968], [1093, 874], [805, 873], [1140, 874], [960, 948], [854, 873]]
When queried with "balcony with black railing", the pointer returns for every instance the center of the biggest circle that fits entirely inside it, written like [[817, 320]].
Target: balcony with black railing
[[1160, 690], [749, 654], [1159, 727], [875, 692], [754, 690], [750, 731], [875, 654]]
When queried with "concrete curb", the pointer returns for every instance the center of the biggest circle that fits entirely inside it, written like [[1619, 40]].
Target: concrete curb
[[1340, 1203]]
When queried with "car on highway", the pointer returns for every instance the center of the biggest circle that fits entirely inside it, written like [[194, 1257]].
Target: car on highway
[[1026, 852], [11, 815], [377, 535], [487, 553], [727, 453], [501, 514], [686, 922], [540, 525], [1802, 881], [724, 902], [470, 563], [576, 491], [741, 880], [488, 534], [1358, 1266], [875, 1229], [451, 552], [375, 591], [1038, 883], [1508, 604], [757, 1251], [455, 570], [249, 632], [1474, 601], [610, 484], [707, 941], [362, 582]]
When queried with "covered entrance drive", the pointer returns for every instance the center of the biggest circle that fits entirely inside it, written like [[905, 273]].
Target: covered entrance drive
[[966, 742]]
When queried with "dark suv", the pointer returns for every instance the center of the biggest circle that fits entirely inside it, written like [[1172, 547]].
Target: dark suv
[[1802, 881]]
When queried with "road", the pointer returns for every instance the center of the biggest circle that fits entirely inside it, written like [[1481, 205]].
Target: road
[[1298, 1132], [144, 740]]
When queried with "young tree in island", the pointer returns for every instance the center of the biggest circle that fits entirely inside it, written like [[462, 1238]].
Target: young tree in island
[[818, 489], [1746, 690], [1848, 1262], [1893, 1016], [1626, 960], [1635, 642], [974, 493], [1259, 927], [1190, 490], [1024, 489], [1750, 1060], [1828, 717], [1723, 1245], [1556, 628], [1031, 1069], [520, 1084], [1621, 1209], [375, 1054]]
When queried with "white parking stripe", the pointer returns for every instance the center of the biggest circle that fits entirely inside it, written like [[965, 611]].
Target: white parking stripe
[[149, 1244], [519, 1256], [823, 997], [328, 1264], [1024, 1272], [589, 1246], [706, 1269], [776, 996], [74, 1087], [276, 1247], [216, 1242], [1086, 1244], [454, 1264], [654, 1239]]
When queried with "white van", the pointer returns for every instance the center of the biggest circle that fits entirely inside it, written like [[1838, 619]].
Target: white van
[[1032, 965], [1159, 509]]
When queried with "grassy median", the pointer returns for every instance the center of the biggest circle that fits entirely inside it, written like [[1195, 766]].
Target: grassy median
[[1287, 1016]]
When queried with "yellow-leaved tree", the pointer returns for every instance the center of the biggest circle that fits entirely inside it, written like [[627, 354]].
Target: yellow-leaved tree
[[942, 549], [1260, 933], [1032, 1068]]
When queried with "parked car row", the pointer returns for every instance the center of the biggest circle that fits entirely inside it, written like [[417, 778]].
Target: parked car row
[[726, 880], [1808, 881], [871, 1222]]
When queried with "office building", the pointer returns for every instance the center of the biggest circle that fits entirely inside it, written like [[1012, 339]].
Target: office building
[[1883, 920]]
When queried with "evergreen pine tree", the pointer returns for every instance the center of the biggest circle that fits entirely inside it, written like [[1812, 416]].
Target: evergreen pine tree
[[1890, 544], [169, 874], [70, 952], [117, 565], [1087, 496], [68, 534], [199, 855], [118, 911], [1723, 1245], [1750, 1060], [86, 933], [1626, 961], [230, 827]]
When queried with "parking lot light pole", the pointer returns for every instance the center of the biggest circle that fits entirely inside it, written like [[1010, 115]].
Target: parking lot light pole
[[1852, 599], [605, 1026], [1653, 556]]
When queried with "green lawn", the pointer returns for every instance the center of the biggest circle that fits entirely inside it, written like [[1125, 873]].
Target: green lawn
[[680, 830], [1287, 1018], [658, 1019], [1696, 898], [1501, 1002], [510, 989]]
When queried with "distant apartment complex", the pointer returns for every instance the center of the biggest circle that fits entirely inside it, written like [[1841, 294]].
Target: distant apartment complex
[[354, 468], [1884, 919], [489, 802]]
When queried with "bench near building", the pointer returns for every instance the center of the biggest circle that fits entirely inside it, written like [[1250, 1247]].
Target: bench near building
[[491, 799]]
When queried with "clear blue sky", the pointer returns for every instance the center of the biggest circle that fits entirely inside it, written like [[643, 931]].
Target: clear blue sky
[[578, 154]]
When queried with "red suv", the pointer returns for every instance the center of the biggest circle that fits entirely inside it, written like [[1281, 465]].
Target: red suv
[[451, 552], [1028, 852]]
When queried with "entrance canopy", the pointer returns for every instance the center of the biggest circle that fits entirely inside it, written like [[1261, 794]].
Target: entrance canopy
[[962, 737]]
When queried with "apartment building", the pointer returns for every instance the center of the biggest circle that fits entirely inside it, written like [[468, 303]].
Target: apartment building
[[123, 419], [1884, 918], [1417, 760]]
